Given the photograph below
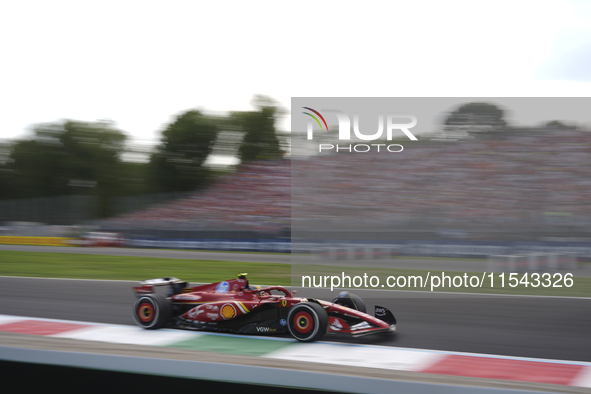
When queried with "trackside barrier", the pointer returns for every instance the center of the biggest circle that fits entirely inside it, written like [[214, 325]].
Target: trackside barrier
[[228, 245], [343, 249], [359, 252], [39, 241], [533, 262], [508, 263], [350, 250]]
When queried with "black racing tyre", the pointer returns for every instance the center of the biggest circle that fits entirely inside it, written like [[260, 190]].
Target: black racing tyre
[[350, 300], [307, 321], [152, 311]]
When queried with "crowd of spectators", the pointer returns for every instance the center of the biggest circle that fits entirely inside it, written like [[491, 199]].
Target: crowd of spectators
[[256, 197], [524, 182], [529, 180]]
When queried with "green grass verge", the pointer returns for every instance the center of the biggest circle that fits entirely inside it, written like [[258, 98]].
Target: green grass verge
[[84, 266], [439, 258], [79, 266], [226, 251], [581, 286]]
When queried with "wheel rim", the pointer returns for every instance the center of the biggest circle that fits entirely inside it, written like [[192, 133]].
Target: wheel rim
[[145, 312], [303, 322]]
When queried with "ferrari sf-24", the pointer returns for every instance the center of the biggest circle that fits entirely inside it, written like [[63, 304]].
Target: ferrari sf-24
[[234, 306]]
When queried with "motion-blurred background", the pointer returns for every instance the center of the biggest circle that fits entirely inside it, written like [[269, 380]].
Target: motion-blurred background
[[475, 177], [72, 173], [140, 118]]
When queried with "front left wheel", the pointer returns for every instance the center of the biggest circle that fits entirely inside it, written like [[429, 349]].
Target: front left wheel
[[152, 311], [307, 321]]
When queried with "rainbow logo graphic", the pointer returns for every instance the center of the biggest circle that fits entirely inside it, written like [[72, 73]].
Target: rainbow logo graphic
[[315, 118]]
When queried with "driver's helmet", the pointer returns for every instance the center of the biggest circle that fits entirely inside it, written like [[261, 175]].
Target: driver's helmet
[[243, 275]]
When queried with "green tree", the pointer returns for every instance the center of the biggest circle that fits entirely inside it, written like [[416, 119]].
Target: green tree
[[557, 124], [260, 136], [68, 157], [177, 164], [6, 174], [476, 118]]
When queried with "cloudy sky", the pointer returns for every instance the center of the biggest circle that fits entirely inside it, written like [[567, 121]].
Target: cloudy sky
[[139, 63]]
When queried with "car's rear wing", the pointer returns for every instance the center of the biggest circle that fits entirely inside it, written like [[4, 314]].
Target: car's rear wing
[[147, 286], [160, 281]]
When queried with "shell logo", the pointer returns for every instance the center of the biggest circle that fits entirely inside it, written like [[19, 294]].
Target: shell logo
[[228, 311]]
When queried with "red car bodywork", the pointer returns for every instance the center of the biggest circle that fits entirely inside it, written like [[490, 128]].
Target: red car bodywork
[[234, 306]]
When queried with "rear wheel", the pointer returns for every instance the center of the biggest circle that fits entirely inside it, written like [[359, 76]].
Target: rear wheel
[[307, 321], [152, 311]]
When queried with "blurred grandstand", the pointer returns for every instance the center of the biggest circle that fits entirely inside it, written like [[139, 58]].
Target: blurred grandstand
[[252, 202], [529, 186]]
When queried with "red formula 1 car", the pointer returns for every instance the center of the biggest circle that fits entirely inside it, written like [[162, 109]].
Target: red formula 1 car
[[235, 307]]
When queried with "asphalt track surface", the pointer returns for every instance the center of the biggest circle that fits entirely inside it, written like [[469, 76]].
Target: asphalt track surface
[[540, 327]]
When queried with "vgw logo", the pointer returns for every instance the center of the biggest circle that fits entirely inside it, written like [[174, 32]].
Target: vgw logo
[[345, 130]]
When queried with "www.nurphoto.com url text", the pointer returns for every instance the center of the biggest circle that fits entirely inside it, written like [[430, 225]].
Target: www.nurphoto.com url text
[[441, 280]]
